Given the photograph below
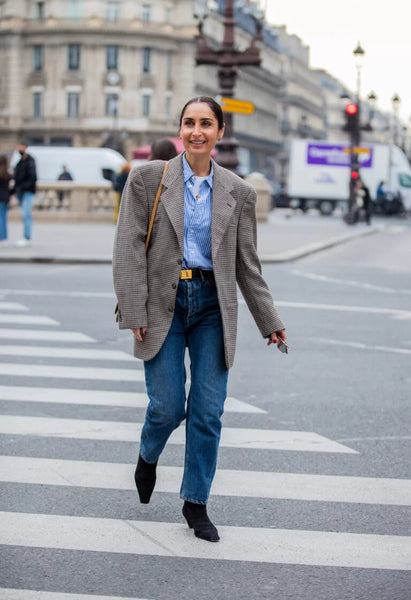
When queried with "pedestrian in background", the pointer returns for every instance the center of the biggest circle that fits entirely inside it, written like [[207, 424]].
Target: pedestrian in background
[[25, 178], [182, 293], [118, 185], [64, 176], [363, 199], [162, 149], [5, 177]]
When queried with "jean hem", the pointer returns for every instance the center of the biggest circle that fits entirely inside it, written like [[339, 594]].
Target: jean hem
[[193, 500]]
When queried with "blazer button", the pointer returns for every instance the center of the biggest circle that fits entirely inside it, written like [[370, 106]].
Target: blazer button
[[174, 285], [179, 261], [170, 308]]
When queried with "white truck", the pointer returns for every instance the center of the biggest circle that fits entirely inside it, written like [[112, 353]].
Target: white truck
[[86, 165], [319, 173]]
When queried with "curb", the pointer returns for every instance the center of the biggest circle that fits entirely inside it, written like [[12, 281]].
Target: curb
[[317, 247], [284, 257]]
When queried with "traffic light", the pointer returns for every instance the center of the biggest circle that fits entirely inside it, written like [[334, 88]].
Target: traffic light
[[351, 118], [354, 174]]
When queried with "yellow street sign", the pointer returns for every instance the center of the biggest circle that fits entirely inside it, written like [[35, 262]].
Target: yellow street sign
[[237, 106], [357, 150]]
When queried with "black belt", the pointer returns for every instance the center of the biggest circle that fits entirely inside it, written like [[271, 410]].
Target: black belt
[[196, 274]]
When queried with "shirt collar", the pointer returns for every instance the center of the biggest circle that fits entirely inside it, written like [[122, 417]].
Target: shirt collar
[[188, 172]]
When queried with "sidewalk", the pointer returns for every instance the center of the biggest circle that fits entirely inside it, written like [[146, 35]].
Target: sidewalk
[[285, 237]]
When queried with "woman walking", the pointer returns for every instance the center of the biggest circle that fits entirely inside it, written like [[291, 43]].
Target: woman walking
[[4, 197], [181, 294]]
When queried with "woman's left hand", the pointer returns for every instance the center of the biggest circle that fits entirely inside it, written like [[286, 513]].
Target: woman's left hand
[[277, 336]]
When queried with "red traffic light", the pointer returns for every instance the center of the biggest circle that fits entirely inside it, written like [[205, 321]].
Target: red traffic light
[[354, 175], [351, 109]]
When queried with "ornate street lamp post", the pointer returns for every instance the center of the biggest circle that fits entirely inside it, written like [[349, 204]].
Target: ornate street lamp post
[[372, 99], [355, 137], [358, 55], [227, 59], [396, 101]]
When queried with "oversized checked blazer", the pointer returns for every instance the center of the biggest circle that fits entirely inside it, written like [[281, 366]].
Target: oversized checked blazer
[[146, 284]]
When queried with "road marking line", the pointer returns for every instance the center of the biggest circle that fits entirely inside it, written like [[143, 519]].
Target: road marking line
[[50, 336], [351, 283], [65, 294], [130, 432], [27, 320], [14, 594], [25, 370], [100, 398], [12, 306], [361, 346], [248, 544], [55, 352], [250, 484], [392, 312]]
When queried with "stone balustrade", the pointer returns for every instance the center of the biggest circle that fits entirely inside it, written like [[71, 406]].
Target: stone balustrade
[[70, 201]]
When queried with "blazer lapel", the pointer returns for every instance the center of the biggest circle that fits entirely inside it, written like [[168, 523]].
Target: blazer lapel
[[172, 197], [223, 207]]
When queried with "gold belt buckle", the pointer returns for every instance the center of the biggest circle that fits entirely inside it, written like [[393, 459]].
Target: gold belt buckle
[[186, 274]]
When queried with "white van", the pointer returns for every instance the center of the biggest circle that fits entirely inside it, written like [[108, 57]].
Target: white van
[[86, 165], [319, 173]]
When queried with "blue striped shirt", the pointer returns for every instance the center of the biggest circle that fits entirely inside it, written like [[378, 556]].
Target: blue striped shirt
[[197, 218]]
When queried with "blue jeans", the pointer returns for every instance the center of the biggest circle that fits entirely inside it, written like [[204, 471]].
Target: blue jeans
[[3, 220], [26, 202], [196, 325]]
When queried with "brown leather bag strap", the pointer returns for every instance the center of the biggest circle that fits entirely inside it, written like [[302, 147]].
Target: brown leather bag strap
[[156, 201]]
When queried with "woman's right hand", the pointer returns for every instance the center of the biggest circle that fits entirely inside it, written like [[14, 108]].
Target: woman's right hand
[[139, 333]]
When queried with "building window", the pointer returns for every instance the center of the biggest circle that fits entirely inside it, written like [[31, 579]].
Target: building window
[[146, 60], [60, 141], [112, 57], [2, 10], [146, 102], [167, 14], [37, 58], [74, 9], [73, 103], [167, 104], [111, 105], [169, 64], [37, 105], [146, 13], [39, 12], [112, 11], [73, 57]]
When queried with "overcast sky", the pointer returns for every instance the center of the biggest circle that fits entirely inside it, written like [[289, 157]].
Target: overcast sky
[[332, 30]]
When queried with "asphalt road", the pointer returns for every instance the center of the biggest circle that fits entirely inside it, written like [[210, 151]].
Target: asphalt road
[[313, 490]]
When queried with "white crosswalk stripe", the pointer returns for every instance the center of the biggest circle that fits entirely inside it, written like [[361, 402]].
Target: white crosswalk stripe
[[12, 306], [55, 352], [43, 335], [98, 373], [252, 484], [27, 319], [268, 544], [247, 544], [11, 594], [231, 437], [100, 398]]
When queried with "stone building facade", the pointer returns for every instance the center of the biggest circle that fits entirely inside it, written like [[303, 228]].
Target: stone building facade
[[116, 73]]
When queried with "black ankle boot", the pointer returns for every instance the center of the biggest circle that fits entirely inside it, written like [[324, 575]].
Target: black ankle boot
[[145, 478], [197, 518]]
